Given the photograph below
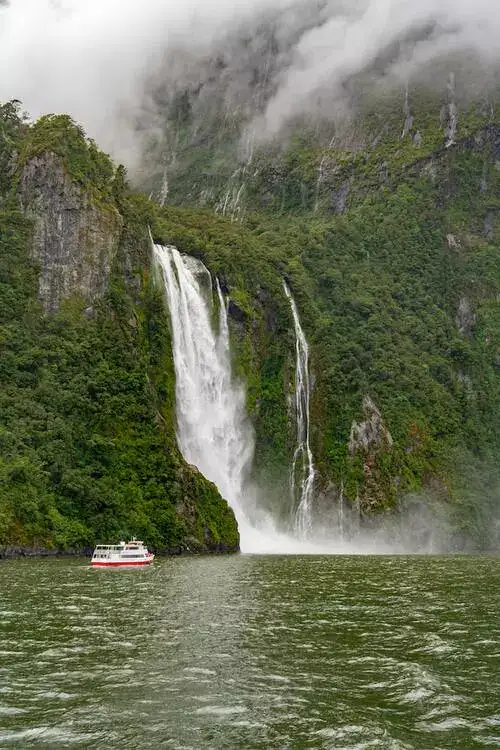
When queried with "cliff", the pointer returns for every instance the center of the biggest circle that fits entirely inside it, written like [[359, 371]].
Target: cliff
[[75, 240], [398, 297]]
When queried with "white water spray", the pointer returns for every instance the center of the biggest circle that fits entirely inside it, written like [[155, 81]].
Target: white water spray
[[341, 511], [302, 473]]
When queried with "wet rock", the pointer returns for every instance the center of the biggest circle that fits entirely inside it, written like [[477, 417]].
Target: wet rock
[[236, 312], [339, 198], [14, 551], [489, 231], [384, 172], [370, 435], [466, 316], [75, 240], [371, 441]]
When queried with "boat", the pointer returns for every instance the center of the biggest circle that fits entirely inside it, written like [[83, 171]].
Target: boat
[[131, 554]]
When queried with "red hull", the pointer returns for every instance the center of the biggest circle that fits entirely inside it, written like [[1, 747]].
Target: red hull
[[137, 564]]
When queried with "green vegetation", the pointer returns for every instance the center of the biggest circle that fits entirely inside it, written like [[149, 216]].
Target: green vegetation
[[393, 258], [87, 441], [399, 300], [85, 163]]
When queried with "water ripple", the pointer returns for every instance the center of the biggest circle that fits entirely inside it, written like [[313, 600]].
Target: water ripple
[[252, 652]]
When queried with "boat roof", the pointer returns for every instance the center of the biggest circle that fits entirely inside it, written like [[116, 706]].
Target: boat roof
[[134, 542]]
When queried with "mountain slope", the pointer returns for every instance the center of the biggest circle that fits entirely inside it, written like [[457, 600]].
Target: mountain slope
[[88, 450], [390, 245]]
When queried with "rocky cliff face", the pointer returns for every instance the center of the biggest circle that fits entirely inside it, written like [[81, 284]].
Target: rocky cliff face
[[379, 290], [88, 450], [75, 239], [370, 439], [370, 435]]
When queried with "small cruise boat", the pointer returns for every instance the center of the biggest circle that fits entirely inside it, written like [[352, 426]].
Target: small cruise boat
[[131, 554]]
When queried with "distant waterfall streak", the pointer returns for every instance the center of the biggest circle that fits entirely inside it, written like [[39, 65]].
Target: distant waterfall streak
[[341, 511], [302, 472], [212, 428]]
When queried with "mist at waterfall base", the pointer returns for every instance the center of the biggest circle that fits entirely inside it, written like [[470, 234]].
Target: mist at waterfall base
[[215, 435]]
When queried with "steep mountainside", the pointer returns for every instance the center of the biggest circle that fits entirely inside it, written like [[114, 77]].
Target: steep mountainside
[[387, 233], [88, 450]]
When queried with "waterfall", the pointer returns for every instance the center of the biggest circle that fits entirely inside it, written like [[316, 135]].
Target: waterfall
[[302, 472], [213, 431], [408, 121], [212, 428], [341, 511], [451, 127]]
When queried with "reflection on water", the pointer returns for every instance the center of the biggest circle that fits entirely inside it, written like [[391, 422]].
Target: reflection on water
[[252, 652]]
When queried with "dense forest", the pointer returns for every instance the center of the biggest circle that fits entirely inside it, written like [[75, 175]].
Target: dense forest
[[88, 448], [392, 252]]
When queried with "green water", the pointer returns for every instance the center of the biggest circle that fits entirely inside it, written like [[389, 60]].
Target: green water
[[252, 652]]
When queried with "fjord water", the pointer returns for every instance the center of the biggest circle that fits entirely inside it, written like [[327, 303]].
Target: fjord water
[[252, 652]]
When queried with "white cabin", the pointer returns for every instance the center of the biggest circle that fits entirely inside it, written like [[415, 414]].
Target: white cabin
[[131, 553]]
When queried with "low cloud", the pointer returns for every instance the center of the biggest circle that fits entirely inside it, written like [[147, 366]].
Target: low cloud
[[90, 58], [401, 37], [95, 59]]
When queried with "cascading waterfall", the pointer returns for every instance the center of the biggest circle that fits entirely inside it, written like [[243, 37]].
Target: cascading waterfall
[[212, 428], [213, 431], [302, 472]]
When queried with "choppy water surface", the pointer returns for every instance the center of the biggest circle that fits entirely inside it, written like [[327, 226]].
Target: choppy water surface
[[252, 652]]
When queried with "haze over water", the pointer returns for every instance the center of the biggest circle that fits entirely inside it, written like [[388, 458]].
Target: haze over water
[[252, 652]]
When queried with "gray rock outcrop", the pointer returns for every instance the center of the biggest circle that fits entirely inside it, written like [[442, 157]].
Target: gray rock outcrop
[[466, 316], [371, 434], [75, 239]]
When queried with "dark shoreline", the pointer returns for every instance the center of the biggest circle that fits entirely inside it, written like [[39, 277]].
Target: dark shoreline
[[13, 552]]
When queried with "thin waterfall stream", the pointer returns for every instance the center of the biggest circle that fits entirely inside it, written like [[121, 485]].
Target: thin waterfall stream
[[302, 472]]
